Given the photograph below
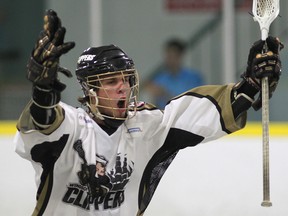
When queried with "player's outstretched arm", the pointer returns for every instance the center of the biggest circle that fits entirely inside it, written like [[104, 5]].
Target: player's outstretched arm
[[260, 64], [43, 67]]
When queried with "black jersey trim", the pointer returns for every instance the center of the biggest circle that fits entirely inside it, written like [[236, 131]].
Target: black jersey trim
[[212, 101], [176, 139], [47, 154]]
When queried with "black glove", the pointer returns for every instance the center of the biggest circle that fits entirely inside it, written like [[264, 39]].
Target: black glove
[[263, 61], [44, 62]]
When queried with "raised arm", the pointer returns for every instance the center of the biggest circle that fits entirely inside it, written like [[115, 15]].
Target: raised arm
[[42, 70]]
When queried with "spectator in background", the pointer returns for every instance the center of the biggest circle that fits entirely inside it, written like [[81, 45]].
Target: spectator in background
[[172, 78]]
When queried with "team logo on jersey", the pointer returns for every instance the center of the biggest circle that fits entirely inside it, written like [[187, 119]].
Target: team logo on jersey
[[84, 120], [99, 188]]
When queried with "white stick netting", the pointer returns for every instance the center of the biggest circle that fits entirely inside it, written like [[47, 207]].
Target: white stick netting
[[265, 11], [265, 8]]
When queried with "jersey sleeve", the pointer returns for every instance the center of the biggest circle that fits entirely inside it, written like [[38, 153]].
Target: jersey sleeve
[[205, 111]]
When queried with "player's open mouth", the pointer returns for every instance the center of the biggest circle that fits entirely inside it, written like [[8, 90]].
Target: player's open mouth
[[122, 103]]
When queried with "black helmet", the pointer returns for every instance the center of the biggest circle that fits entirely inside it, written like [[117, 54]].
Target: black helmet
[[99, 60]]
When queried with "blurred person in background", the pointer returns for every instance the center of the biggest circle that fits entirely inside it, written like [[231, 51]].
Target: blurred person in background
[[172, 78]]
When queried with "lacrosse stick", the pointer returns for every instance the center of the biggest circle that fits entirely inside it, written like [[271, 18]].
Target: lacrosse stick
[[264, 12]]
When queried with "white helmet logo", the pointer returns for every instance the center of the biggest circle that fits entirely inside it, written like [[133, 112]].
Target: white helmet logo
[[85, 58]]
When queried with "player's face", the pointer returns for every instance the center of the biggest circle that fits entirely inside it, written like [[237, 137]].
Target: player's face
[[113, 95]]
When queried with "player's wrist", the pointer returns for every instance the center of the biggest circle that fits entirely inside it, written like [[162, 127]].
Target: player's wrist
[[242, 97], [45, 97], [246, 86]]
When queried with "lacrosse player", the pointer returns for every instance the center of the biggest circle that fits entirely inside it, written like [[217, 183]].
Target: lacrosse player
[[108, 156]]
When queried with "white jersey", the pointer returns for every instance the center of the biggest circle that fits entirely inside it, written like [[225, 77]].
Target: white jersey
[[145, 143]]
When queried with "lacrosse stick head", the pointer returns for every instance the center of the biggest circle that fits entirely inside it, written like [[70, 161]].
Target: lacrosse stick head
[[264, 12]]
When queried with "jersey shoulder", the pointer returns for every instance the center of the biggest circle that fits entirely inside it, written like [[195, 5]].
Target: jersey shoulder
[[141, 105]]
